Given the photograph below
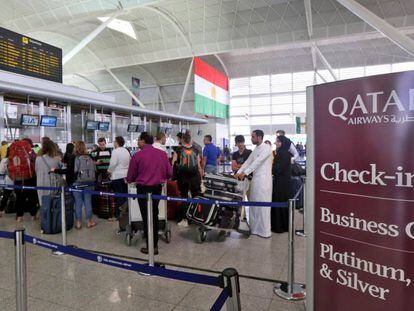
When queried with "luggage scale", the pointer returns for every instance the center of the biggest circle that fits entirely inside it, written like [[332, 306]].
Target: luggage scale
[[135, 216]]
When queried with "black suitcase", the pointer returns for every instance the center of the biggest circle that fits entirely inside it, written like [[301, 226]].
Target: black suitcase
[[223, 182], [204, 214], [103, 205]]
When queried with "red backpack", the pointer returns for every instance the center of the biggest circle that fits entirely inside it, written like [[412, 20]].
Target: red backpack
[[20, 164]]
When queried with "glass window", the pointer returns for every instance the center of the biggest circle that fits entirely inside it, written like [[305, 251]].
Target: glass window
[[299, 98], [240, 130], [301, 80], [258, 110], [239, 111], [263, 120], [239, 86], [299, 108], [282, 99], [237, 121], [239, 101], [281, 83], [259, 101], [281, 109], [260, 85], [283, 119]]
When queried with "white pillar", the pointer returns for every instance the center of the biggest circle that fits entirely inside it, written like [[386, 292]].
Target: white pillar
[[95, 133], [68, 121], [2, 116], [42, 112], [113, 125]]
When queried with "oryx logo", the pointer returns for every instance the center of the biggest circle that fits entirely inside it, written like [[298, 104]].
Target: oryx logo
[[374, 108], [99, 259], [34, 241]]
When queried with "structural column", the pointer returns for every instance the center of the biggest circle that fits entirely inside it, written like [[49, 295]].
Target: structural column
[[2, 116]]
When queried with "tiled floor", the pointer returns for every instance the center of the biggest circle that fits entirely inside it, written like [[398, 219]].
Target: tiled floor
[[68, 283]]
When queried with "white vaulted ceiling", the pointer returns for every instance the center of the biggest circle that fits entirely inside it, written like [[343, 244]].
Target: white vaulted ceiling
[[251, 36]]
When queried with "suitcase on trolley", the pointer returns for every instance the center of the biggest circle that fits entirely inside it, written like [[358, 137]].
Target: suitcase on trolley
[[135, 222], [172, 207], [202, 214], [223, 182]]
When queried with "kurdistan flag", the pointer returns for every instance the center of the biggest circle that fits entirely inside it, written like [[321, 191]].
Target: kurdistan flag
[[211, 89]]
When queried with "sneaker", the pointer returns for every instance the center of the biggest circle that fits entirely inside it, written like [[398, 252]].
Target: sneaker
[[183, 223]]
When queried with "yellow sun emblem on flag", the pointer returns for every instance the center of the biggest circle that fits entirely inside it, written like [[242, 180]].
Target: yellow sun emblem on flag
[[213, 92]]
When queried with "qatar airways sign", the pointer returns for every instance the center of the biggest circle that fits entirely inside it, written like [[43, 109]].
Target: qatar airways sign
[[374, 108], [363, 197]]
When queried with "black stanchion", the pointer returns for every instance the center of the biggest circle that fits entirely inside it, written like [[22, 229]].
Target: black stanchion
[[21, 281], [302, 232], [231, 282], [291, 290]]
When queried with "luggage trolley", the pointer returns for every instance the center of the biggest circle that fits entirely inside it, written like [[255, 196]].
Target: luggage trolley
[[135, 222], [220, 217]]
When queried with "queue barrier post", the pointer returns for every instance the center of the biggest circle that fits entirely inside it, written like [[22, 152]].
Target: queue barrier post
[[302, 233], [291, 290], [63, 215], [21, 281], [232, 283], [150, 231]]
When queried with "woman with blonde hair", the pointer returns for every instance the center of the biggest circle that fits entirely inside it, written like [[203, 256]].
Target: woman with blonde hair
[[47, 159]]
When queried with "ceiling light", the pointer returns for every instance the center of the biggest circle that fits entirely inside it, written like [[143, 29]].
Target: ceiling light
[[121, 26]]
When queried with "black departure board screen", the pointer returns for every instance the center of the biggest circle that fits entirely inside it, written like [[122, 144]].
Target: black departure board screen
[[27, 56]]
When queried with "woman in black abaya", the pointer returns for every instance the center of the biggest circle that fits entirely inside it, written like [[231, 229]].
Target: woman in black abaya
[[282, 172]]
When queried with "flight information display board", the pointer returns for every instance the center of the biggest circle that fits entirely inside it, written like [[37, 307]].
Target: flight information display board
[[26, 56]]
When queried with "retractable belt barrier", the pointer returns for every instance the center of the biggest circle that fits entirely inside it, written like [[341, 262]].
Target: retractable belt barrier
[[21, 238], [154, 197], [229, 280]]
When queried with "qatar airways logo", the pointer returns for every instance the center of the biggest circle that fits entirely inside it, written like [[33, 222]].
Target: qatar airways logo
[[374, 108]]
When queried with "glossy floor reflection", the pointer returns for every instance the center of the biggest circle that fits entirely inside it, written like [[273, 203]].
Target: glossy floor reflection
[[67, 283]]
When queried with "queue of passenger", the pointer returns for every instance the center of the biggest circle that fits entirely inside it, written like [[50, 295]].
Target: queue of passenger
[[149, 168]]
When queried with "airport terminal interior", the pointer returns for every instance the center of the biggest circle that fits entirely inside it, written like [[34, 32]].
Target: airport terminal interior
[[137, 136]]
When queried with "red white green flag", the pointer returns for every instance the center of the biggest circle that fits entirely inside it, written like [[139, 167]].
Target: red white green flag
[[211, 89]]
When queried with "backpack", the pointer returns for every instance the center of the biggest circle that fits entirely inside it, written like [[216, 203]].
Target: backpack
[[20, 164], [188, 158], [85, 169]]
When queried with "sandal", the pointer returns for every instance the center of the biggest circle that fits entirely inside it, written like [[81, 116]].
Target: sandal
[[78, 225], [90, 224]]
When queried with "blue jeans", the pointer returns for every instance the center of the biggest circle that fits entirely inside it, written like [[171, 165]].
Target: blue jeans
[[81, 199], [211, 169]]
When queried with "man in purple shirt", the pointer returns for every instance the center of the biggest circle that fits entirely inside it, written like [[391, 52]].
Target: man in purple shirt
[[149, 169]]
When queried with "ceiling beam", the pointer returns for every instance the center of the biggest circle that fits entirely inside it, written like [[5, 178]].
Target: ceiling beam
[[187, 82], [90, 37], [223, 65], [176, 25], [325, 62], [125, 88], [308, 12], [392, 33]]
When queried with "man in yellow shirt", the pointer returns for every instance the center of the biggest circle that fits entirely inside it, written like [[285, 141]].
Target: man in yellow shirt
[[3, 149]]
